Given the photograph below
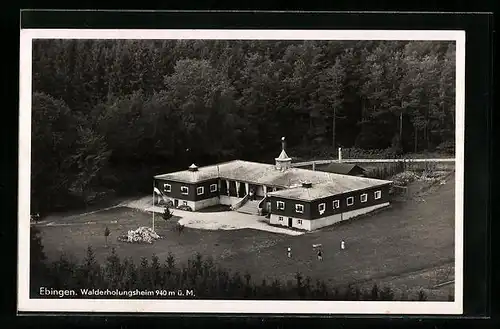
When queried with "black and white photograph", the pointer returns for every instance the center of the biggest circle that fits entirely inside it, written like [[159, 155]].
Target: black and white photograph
[[241, 171]]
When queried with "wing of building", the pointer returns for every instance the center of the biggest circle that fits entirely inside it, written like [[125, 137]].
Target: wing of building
[[345, 169], [293, 197]]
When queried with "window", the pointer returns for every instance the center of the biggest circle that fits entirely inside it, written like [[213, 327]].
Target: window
[[185, 203], [336, 204], [299, 221], [280, 205], [167, 188], [213, 188], [299, 208], [184, 190], [321, 208], [280, 218], [200, 190], [378, 195], [350, 201], [364, 197]]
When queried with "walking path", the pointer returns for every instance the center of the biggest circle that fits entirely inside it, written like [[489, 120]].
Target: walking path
[[224, 220]]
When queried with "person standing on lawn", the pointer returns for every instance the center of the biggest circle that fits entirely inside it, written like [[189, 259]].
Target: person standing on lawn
[[289, 252], [342, 245], [320, 255]]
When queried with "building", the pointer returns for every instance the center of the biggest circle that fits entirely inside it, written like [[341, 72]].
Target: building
[[293, 197], [345, 169]]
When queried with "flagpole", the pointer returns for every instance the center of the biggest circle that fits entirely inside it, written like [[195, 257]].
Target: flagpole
[[153, 205]]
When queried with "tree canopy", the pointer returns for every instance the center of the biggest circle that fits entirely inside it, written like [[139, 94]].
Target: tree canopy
[[111, 113]]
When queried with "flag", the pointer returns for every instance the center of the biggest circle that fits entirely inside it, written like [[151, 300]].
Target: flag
[[157, 191]]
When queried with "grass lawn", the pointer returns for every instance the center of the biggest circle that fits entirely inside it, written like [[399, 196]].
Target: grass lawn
[[74, 236], [409, 237]]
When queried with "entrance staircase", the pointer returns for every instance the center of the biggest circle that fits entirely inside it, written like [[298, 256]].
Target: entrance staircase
[[250, 207]]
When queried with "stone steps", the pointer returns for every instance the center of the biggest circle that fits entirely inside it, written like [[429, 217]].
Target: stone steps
[[250, 207]]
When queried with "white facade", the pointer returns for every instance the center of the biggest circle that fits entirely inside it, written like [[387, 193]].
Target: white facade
[[205, 203], [301, 224], [197, 205], [314, 224], [228, 200]]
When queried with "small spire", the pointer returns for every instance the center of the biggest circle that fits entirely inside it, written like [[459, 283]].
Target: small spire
[[283, 161]]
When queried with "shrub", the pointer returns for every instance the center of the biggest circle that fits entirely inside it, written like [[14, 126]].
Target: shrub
[[447, 147], [405, 178], [167, 213], [185, 208], [179, 228]]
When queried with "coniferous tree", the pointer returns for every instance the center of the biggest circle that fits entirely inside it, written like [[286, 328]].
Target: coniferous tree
[[422, 296], [113, 270], [90, 271]]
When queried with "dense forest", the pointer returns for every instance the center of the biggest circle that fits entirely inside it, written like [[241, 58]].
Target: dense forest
[[108, 114]]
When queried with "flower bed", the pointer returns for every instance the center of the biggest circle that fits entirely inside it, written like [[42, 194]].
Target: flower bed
[[140, 235]]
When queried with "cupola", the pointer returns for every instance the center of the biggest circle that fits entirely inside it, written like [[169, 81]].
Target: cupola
[[283, 162]]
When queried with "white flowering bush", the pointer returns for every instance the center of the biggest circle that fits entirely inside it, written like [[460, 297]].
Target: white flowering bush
[[140, 235], [404, 178]]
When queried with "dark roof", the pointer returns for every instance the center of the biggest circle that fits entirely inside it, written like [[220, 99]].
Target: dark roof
[[342, 168]]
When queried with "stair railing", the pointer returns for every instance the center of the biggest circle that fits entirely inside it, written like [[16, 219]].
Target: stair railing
[[240, 203]]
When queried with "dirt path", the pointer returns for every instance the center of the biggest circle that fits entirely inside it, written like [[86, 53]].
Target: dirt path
[[224, 220]]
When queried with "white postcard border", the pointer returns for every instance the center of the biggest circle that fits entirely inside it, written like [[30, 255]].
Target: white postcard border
[[26, 304]]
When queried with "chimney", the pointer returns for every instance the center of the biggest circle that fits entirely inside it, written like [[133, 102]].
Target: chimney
[[282, 143], [193, 167], [340, 154], [306, 184]]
